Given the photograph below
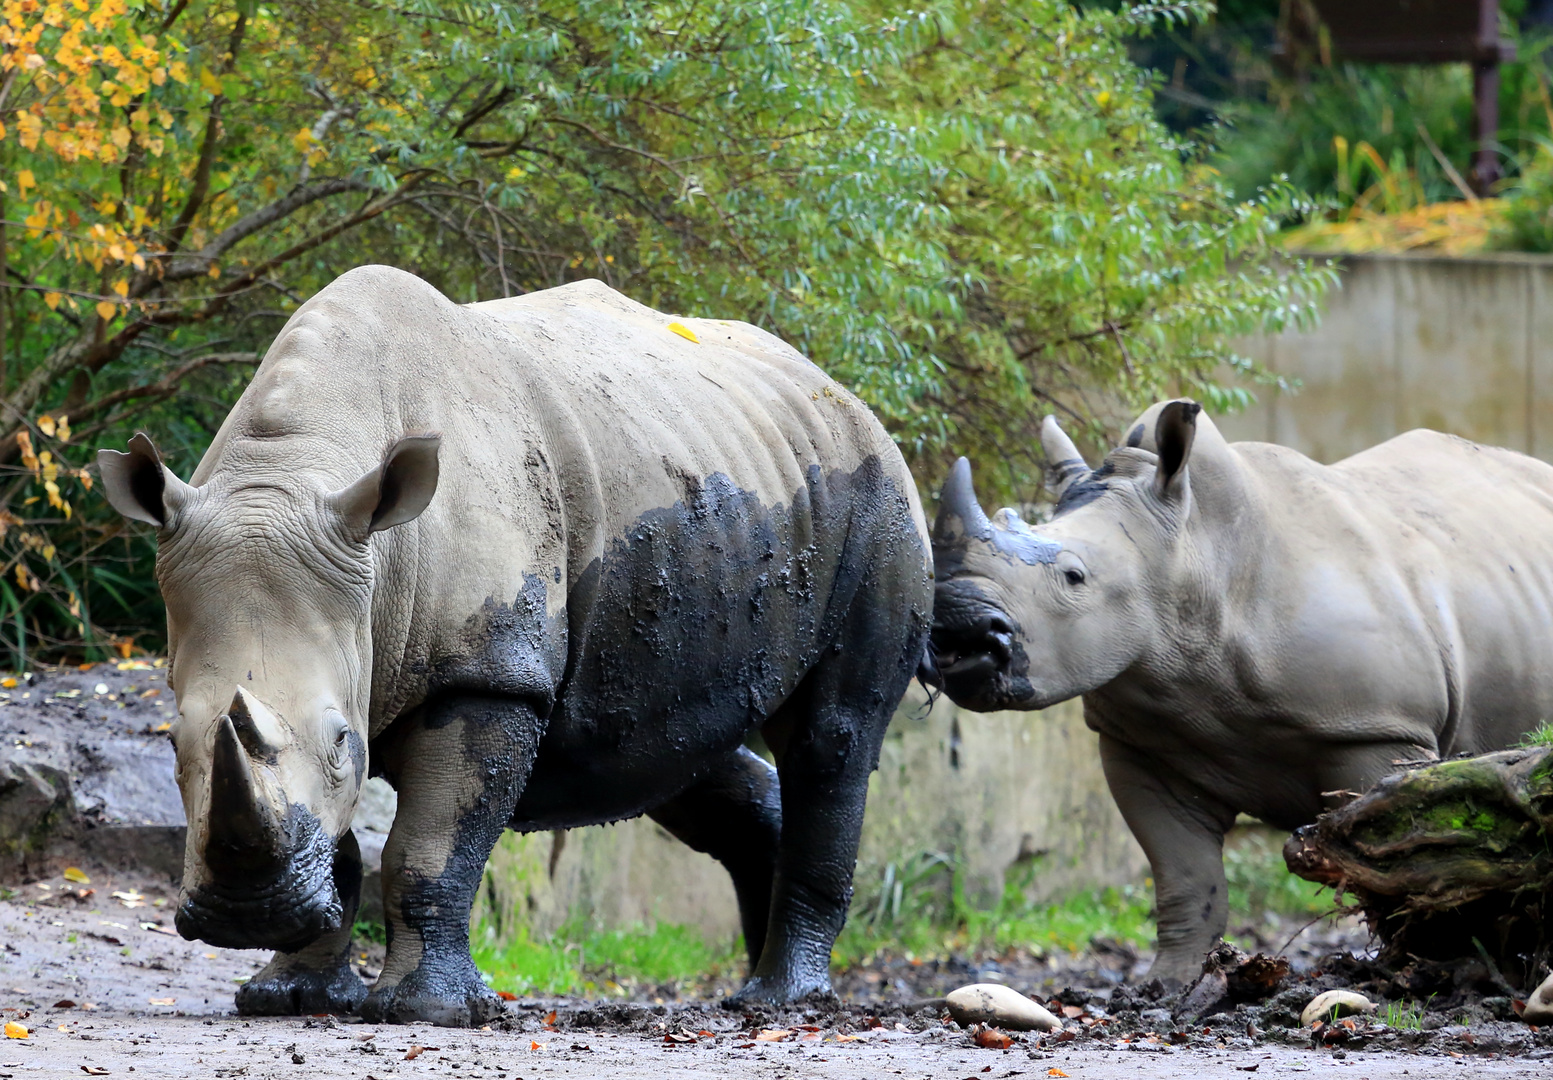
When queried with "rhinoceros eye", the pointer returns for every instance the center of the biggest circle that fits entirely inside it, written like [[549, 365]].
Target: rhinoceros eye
[[340, 730], [1074, 575]]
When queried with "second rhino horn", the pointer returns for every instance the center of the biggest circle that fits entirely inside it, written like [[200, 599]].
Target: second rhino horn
[[1063, 458], [958, 500]]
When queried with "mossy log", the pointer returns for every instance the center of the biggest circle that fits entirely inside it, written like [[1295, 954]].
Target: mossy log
[[1447, 860]]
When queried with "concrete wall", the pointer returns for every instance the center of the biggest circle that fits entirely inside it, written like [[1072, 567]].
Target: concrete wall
[[1458, 345], [988, 790]]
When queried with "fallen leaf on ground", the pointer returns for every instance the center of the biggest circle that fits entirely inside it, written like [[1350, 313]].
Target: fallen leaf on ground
[[1055, 1072], [991, 1039], [745, 1046], [77, 875], [772, 1034], [550, 1019], [1248, 1068], [155, 929], [1073, 1012], [707, 1034], [94, 1070], [677, 1037], [64, 1004], [683, 331], [414, 1052], [507, 995], [13, 1030], [164, 1001], [851, 1038], [537, 1045]]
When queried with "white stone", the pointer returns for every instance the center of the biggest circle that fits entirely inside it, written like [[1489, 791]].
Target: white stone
[[1346, 1002], [1000, 1006], [1539, 1007]]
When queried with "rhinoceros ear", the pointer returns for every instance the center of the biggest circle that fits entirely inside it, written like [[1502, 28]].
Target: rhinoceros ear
[[1173, 434], [396, 491], [138, 485]]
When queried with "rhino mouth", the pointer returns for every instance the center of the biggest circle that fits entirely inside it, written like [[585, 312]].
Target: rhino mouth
[[290, 906], [976, 650]]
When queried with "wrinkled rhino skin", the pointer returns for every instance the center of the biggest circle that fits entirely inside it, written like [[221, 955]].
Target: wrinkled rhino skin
[[1251, 631], [541, 563]]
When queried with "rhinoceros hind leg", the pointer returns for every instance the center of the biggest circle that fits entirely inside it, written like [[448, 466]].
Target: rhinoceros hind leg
[[317, 978], [826, 739], [734, 814], [459, 765]]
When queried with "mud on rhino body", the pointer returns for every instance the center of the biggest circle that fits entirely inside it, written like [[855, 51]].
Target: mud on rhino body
[[542, 563], [1253, 632]]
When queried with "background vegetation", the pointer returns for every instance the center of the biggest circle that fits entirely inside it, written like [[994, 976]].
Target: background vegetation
[[968, 212]]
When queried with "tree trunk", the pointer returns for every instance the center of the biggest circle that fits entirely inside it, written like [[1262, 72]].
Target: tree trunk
[[1451, 860]]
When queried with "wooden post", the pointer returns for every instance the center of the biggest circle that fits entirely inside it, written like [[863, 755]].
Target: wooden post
[[1485, 98]]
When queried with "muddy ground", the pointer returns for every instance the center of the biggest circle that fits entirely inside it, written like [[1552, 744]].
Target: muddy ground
[[94, 973]]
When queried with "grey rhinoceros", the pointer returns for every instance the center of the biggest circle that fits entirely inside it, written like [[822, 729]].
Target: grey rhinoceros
[[1253, 632], [542, 562]]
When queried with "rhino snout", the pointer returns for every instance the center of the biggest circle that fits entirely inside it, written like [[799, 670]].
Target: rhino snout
[[284, 905]]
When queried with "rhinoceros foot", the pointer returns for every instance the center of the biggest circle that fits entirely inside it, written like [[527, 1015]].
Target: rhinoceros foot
[[461, 1000], [762, 990], [285, 988]]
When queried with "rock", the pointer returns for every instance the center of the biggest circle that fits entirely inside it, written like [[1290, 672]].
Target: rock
[[1539, 1006], [1345, 1002], [1157, 1019], [989, 1003]]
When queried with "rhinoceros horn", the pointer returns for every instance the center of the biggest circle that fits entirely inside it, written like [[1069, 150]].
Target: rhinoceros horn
[[959, 514], [1066, 463], [245, 835]]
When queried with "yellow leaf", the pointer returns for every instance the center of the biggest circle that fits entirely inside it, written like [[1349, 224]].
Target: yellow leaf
[[683, 331], [1103, 98], [48, 554], [52, 300], [105, 310], [46, 425], [24, 180], [214, 271], [8, 682], [179, 71], [302, 140], [13, 1030], [77, 875], [137, 261], [209, 81], [31, 127], [62, 428], [159, 76], [121, 136], [121, 287], [163, 726]]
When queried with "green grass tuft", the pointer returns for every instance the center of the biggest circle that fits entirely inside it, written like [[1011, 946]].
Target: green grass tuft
[[1543, 736], [587, 961]]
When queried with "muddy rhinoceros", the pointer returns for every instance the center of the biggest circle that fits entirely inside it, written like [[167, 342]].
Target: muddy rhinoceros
[[1253, 632], [541, 562]]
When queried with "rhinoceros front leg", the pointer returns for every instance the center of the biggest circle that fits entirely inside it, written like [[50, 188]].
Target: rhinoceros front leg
[[317, 978], [459, 766], [734, 814], [1181, 829]]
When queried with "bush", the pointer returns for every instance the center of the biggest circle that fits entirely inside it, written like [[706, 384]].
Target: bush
[[966, 212]]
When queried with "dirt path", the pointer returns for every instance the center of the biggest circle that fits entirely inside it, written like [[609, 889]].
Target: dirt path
[[101, 984]]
